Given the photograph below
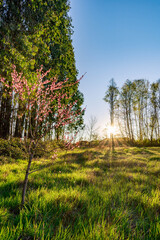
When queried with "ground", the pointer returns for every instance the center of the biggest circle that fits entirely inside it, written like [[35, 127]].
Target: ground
[[87, 193]]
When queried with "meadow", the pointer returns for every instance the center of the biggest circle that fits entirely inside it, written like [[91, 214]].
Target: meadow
[[88, 193]]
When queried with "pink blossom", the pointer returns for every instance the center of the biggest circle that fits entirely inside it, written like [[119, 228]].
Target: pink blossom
[[40, 99]]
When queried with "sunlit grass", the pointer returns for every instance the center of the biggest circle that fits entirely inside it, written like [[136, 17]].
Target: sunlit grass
[[88, 193]]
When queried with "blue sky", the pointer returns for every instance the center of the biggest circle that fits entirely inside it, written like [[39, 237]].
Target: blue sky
[[114, 38]]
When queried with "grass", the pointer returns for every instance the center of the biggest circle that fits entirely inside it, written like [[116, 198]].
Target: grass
[[90, 194]]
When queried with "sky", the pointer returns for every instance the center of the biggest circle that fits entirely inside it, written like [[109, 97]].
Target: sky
[[117, 39]]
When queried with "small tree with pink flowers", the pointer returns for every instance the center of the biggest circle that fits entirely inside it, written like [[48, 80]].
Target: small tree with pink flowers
[[42, 99]]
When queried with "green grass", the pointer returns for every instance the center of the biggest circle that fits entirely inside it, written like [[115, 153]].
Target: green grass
[[86, 194]]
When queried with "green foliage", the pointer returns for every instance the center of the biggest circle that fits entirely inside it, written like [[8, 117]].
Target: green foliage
[[15, 149], [111, 96], [35, 33], [12, 148], [111, 93], [136, 109], [85, 194], [147, 143], [44, 148]]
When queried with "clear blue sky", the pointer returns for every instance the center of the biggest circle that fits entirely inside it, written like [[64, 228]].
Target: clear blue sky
[[114, 38]]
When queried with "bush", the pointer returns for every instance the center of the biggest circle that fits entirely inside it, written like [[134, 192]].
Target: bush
[[147, 143], [15, 149], [12, 148]]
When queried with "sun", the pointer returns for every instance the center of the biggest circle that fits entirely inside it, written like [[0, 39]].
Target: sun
[[112, 130]]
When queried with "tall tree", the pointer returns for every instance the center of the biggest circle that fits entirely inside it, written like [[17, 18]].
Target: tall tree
[[33, 33], [155, 111], [111, 98], [126, 101], [140, 99]]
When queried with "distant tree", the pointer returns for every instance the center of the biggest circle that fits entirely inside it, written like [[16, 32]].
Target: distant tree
[[140, 105], [92, 129], [111, 98], [136, 109], [155, 110]]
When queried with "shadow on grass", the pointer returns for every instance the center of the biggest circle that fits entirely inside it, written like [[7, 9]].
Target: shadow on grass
[[58, 182], [127, 164], [8, 189], [154, 159], [143, 209], [115, 164], [9, 196], [147, 184], [108, 155], [81, 158], [142, 150]]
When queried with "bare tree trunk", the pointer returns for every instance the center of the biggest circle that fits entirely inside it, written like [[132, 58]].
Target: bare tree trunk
[[151, 134], [131, 127], [128, 126]]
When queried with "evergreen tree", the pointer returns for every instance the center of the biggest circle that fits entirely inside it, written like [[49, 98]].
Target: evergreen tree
[[34, 33]]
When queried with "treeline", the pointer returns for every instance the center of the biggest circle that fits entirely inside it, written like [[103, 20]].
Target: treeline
[[135, 108], [35, 33]]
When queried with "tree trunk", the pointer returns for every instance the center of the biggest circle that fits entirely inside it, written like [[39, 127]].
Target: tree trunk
[[112, 143], [5, 118]]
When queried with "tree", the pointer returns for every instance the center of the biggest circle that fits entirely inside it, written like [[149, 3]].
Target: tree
[[35, 33], [155, 110], [126, 109], [39, 98], [140, 107], [111, 98], [92, 129], [138, 110]]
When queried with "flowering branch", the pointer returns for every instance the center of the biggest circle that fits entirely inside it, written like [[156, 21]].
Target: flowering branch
[[42, 100]]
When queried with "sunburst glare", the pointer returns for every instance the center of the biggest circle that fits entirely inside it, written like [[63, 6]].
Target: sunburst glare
[[112, 130]]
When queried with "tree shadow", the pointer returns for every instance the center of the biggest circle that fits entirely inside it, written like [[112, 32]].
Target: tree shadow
[[9, 192], [81, 158], [107, 155], [58, 182], [154, 159], [140, 150]]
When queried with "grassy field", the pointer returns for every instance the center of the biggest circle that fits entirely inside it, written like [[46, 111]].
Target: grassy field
[[89, 193]]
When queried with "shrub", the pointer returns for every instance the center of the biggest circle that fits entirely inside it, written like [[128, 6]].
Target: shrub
[[12, 148]]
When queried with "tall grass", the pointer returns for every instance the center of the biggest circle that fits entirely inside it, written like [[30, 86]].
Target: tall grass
[[88, 194]]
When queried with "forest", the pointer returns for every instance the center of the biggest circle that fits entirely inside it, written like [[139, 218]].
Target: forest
[[55, 183]]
